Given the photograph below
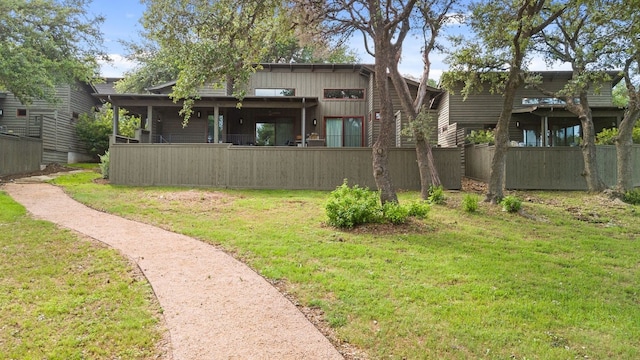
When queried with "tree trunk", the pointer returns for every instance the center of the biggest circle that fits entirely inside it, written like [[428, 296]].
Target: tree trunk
[[501, 135], [382, 144], [426, 166], [424, 155], [624, 142], [588, 145]]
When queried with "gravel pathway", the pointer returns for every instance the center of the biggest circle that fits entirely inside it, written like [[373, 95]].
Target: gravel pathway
[[215, 307]]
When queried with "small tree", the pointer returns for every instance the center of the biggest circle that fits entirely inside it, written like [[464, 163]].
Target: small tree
[[94, 132], [94, 129]]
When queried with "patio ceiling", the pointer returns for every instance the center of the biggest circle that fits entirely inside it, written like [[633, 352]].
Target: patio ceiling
[[138, 103]]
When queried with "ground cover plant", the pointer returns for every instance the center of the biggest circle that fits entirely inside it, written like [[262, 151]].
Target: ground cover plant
[[62, 297], [556, 280]]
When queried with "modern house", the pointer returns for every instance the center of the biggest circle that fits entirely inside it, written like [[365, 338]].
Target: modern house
[[536, 120], [54, 124], [331, 105]]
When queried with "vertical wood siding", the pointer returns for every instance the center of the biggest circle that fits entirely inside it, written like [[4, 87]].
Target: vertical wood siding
[[222, 165], [58, 124], [19, 154]]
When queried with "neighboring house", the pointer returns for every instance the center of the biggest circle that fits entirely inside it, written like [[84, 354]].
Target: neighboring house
[[55, 123], [536, 120], [332, 105]]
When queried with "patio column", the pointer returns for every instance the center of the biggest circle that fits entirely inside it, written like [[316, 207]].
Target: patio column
[[304, 123], [116, 122], [545, 131], [216, 131], [149, 124]]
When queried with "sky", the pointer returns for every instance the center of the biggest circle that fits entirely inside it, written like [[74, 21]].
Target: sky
[[122, 23]]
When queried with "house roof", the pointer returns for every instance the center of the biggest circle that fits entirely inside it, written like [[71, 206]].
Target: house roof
[[106, 87]]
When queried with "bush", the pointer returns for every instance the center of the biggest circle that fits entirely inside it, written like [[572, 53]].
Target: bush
[[348, 207], [511, 204], [419, 209], [395, 213], [436, 195], [94, 133], [607, 136], [104, 165], [632, 197], [470, 202], [481, 137]]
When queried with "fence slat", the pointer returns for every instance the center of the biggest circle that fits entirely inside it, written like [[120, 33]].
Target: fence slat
[[19, 154]]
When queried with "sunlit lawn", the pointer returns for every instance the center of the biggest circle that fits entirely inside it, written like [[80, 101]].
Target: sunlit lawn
[[561, 281], [64, 297]]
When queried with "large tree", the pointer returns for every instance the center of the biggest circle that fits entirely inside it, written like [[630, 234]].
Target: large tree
[[582, 38], [383, 25], [213, 42], [431, 17], [157, 65], [47, 42], [498, 57], [627, 24]]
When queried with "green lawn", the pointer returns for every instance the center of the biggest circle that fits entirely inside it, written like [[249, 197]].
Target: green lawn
[[560, 281], [63, 297]]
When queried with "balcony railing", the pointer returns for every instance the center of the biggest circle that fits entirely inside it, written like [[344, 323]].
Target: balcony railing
[[27, 131]]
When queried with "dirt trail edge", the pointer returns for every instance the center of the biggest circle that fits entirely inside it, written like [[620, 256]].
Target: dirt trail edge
[[215, 307]]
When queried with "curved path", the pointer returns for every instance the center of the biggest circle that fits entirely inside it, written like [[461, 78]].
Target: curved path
[[215, 307]]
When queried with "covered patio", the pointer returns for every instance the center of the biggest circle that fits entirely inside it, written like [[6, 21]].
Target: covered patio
[[553, 125], [259, 120]]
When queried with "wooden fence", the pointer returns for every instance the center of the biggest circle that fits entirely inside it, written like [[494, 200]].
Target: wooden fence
[[264, 167], [547, 168], [19, 154]]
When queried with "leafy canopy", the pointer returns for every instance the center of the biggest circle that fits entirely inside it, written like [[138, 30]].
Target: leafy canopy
[[47, 42], [220, 42]]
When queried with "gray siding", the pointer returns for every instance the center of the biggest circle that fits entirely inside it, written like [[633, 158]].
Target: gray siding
[[19, 154], [54, 123], [484, 107], [268, 167], [312, 84]]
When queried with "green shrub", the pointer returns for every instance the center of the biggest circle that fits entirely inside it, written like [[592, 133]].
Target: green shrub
[[351, 206], [436, 195], [419, 209], [470, 202], [511, 204], [607, 136], [395, 213], [94, 133], [481, 137], [104, 165], [632, 196]]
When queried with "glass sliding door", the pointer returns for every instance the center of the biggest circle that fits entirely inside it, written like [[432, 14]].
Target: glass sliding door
[[352, 132], [334, 132], [274, 132], [344, 131]]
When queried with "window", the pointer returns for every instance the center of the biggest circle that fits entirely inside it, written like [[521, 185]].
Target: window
[[22, 112], [345, 94], [275, 92], [565, 135], [275, 132], [546, 101], [344, 131]]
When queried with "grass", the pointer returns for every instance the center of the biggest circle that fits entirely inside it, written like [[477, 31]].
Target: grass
[[63, 297], [557, 281]]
